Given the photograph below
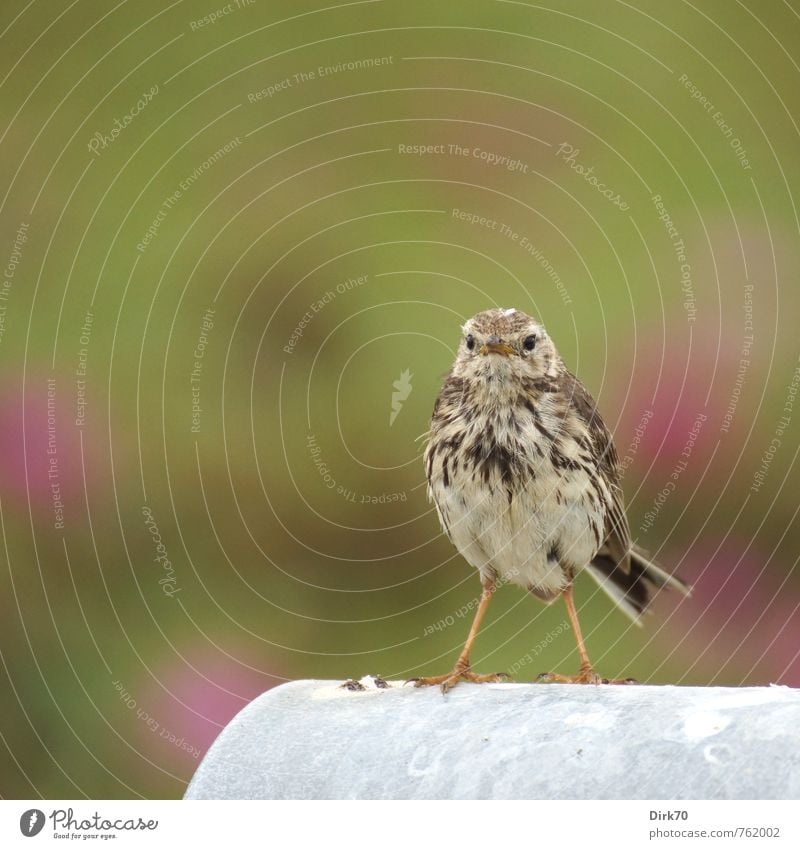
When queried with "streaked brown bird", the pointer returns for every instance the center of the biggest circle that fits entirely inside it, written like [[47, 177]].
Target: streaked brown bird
[[525, 479]]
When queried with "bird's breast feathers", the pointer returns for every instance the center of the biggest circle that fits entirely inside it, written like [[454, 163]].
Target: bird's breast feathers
[[517, 489]]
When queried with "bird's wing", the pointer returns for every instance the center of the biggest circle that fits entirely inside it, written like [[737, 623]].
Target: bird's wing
[[618, 535], [447, 403]]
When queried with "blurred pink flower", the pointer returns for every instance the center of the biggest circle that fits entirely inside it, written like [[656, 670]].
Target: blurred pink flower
[[742, 623], [193, 705], [51, 443]]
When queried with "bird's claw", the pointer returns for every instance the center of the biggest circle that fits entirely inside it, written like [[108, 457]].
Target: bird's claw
[[584, 677], [447, 682]]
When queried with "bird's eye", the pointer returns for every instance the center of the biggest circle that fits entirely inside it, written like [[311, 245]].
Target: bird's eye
[[529, 343], [470, 342]]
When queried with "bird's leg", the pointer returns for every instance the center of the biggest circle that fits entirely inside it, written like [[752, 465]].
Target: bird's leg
[[462, 671], [587, 675]]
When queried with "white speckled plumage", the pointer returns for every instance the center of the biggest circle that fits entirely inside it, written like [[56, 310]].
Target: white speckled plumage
[[523, 472]]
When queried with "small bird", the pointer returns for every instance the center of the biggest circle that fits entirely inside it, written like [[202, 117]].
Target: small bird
[[525, 479]]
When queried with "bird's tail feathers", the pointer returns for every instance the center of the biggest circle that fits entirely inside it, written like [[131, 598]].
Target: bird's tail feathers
[[630, 591], [655, 574]]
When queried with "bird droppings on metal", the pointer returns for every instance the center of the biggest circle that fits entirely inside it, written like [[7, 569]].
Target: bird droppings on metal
[[363, 686], [706, 723]]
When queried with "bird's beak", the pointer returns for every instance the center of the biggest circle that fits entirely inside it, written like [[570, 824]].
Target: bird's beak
[[495, 346]]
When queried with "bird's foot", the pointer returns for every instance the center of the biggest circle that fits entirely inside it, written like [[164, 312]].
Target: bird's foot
[[447, 682], [587, 675]]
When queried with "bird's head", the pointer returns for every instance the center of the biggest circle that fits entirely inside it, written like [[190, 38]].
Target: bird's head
[[505, 344]]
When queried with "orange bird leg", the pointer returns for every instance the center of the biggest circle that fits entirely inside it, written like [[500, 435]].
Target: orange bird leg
[[587, 675], [462, 671]]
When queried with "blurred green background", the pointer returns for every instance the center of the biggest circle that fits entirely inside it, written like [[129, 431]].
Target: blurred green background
[[222, 248]]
